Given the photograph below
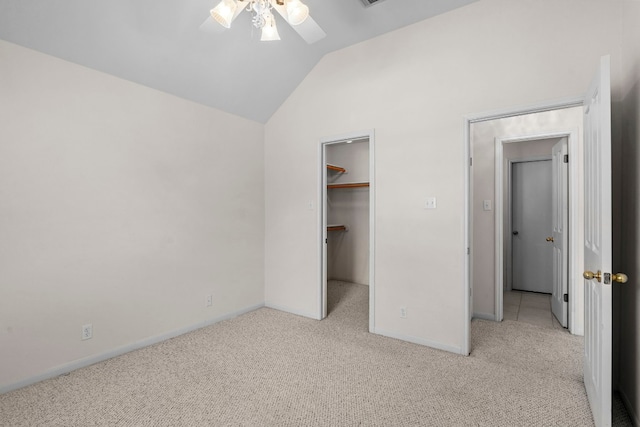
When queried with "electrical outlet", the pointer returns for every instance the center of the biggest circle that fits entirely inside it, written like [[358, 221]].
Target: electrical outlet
[[209, 301], [403, 312], [87, 331]]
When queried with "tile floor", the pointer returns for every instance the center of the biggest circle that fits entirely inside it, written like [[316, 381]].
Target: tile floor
[[530, 308]]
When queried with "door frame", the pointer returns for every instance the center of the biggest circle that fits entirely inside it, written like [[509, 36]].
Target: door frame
[[467, 120], [575, 311], [508, 258], [322, 218]]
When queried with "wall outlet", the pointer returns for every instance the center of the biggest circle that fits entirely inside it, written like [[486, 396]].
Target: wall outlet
[[87, 331], [403, 312], [209, 301]]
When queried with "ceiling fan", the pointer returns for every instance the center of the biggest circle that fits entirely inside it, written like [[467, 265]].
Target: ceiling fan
[[293, 11]]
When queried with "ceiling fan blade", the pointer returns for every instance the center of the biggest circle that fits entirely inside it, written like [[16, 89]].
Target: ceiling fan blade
[[309, 30]]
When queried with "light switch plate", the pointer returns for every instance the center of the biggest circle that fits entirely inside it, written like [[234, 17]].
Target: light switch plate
[[486, 205], [431, 203]]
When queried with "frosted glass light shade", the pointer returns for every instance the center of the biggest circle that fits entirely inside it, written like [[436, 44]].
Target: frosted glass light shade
[[223, 13], [270, 31], [297, 12]]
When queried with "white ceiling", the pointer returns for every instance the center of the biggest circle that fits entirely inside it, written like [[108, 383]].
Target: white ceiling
[[159, 43]]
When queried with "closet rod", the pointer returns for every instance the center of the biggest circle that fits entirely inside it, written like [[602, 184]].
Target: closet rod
[[349, 185], [337, 228], [336, 168]]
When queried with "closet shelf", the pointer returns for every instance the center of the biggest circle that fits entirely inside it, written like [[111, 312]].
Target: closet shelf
[[348, 185], [337, 228], [336, 168]]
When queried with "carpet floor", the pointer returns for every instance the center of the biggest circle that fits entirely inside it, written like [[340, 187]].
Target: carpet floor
[[269, 368]]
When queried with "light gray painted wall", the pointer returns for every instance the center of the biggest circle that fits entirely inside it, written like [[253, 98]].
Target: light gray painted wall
[[629, 355], [120, 206], [348, 252], [414, 86]]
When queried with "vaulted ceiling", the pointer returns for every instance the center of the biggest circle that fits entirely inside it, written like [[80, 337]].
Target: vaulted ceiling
[[164, 44]]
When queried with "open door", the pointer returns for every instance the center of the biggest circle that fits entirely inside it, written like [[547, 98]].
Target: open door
[[598, 245], [559, 238]]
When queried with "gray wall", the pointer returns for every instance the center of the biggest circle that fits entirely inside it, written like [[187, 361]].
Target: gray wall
[[122, 207]]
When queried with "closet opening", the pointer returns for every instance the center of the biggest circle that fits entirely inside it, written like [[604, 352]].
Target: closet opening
[[346, 226]]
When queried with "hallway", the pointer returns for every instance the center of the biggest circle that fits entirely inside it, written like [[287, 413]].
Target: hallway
[[529, 307]]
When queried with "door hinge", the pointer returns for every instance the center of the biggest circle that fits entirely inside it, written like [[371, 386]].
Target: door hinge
[[468, 251], [470, 161], [566, 297], [566, 158], [326, 241]]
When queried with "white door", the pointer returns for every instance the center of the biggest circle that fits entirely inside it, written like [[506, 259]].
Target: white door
[[559, 237], [597, 245], [532, 255]]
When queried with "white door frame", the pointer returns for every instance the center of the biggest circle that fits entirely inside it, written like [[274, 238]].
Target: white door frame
[[322, 219], [467, 244], [576, 303]]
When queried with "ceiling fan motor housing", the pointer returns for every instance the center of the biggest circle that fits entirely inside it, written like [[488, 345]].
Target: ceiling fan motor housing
[[370, 2]]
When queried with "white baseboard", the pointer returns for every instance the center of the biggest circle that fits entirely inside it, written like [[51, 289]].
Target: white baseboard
[[485, 316], [292, 311], [627, 404], [421, 341], [87, 361]]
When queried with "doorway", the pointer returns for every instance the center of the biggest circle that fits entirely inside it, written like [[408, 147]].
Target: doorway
[[531, 257], [495, 142], [346, 219], [536, 255], [589, 234]]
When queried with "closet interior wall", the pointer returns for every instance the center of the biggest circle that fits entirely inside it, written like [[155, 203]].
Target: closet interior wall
[[348, 250]]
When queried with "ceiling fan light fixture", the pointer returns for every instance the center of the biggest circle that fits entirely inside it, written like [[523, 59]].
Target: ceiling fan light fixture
[[297, 12], [269, 30], [224, 12], [294, 12]]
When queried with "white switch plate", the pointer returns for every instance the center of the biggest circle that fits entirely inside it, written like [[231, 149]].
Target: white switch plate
[[486, 205], [431, 203]]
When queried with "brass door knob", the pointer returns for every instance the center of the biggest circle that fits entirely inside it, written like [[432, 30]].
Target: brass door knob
[[549, 239], [619, 277], [591, 275]]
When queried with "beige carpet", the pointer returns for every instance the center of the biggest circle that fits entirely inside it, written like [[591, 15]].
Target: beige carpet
[[269, 368]]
